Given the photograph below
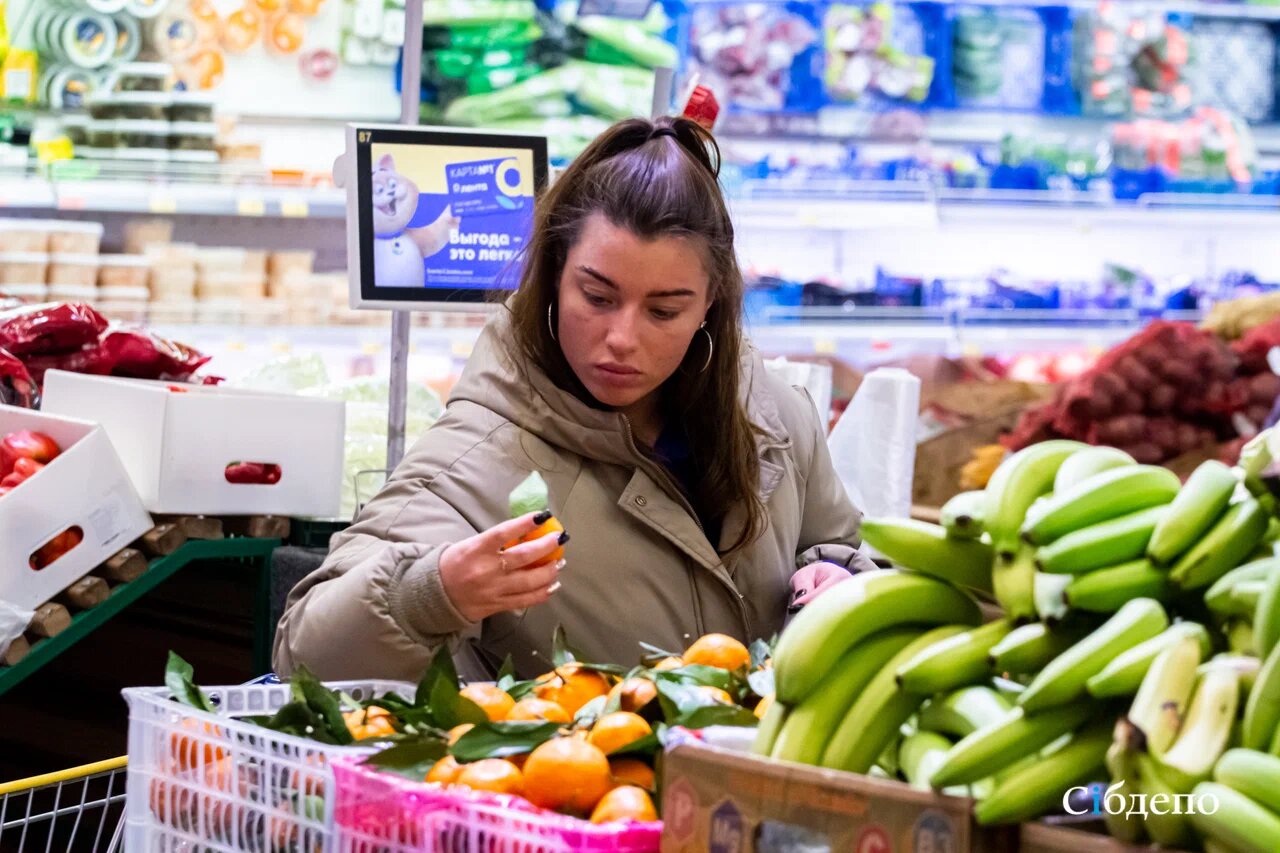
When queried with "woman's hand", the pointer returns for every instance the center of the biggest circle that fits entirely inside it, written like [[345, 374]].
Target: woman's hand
[[815, 579], [483, 577]]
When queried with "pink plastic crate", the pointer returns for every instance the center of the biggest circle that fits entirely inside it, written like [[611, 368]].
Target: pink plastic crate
[[375, 811]]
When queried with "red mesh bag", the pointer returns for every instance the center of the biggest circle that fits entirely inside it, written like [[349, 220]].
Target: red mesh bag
[[144, 355]]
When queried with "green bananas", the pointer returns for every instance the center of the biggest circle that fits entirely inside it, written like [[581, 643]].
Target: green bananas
[[810, 724], [1166, 827], [1218, 596], [868, 602], [1107, 590], [963, 712], [1266, 616], [1205, 732], [1123, 675], [1028, 648], [997, 745], [953, 662], [1262, 712], [962, 516], [1102, 497], [872, 722], [1101, 545], [1020, 479], [1252, 773], [1228, 542], [926, 548], [770, 726], [919, 755], [1083, 464], [1038, 787], [1198, 505], [1050, 595], [1238, 822], [1013, 580], [1157, 709], [1063, 679]]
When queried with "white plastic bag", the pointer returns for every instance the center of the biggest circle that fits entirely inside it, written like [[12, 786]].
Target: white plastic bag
[[873, 445], [13, 622]]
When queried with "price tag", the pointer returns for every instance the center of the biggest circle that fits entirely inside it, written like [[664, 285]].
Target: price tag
[[251, 207], [824, 346], [371, 348], [281, 347], [71, 202], [295, 209], [462, 349], [162, 204], [236, 346]]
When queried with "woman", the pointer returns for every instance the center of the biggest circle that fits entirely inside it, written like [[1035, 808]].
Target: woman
[[697, 488]]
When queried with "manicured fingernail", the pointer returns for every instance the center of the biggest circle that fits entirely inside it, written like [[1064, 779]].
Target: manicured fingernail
[[542, 517], [554, 588], [564, 537], [560, 564]]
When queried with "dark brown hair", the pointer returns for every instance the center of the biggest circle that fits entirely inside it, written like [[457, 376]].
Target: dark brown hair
[[657, 179]]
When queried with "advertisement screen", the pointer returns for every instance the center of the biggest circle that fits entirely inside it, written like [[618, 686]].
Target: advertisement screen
[[445, 216]]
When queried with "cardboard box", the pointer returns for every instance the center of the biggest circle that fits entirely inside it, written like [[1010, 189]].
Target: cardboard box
[[1043, 838], [939, 459], [732, 802], [86, 486], [177, 446]]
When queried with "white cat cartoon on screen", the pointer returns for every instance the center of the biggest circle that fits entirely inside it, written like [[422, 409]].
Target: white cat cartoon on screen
[[398, 251]]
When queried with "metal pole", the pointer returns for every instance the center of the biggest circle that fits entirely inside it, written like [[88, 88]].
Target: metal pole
[[410, 94], [663, 80]]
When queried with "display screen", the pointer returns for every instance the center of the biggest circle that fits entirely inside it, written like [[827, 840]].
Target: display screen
[[444, 215]]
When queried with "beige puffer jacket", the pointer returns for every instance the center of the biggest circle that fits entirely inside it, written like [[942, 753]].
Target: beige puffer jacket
[[639, 567]]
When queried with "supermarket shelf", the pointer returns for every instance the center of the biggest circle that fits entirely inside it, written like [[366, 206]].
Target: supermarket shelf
[[166, 189], [877, 205], [86, 622]]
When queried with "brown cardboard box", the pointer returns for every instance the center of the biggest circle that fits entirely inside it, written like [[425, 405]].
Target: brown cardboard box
[[1042, 838], [939, 459], [730, 802]]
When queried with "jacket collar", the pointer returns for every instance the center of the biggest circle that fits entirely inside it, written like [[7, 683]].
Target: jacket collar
[[492, 380]]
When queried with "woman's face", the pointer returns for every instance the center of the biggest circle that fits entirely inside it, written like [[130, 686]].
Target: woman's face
[[628, 309]]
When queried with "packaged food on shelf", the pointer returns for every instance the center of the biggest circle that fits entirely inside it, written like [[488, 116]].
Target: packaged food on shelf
[[66, 270], [23, 267], [264, 312], [135, 106], [139, 234], [140, 135], [191, 106], [231, 285], [219, 312], [74, 238], [193, 136], [67, 87], [141, 77], [23, 235], [101, 134], [123, 271], [73, 293], [128, 38], [255, 261], [128, 304], [76, 127], [878, 49], [26, 294], [288, 266], [217, 260], [171, 311], [82, 38]]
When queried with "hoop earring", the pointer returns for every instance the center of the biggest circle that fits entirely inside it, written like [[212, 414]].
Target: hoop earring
[[551, 328], [711, 346]]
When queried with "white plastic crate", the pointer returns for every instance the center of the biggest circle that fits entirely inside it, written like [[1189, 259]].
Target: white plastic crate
[[216, 782]]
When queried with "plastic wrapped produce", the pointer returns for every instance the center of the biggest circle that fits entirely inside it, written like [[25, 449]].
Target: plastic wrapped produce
[[17, 388], [49, 328], [754, 55]]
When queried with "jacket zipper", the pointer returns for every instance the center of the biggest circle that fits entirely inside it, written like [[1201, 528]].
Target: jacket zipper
[[733, 592]]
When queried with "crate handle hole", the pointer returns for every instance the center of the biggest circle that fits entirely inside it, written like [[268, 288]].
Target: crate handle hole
[[56, 548], [242, 473]]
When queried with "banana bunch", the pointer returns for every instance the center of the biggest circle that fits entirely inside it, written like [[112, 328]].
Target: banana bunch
[[1138, 643]]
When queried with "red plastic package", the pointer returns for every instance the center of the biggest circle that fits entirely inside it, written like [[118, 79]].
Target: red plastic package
[[48, 328], [143, 355], [17, 388], [93, 358]]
